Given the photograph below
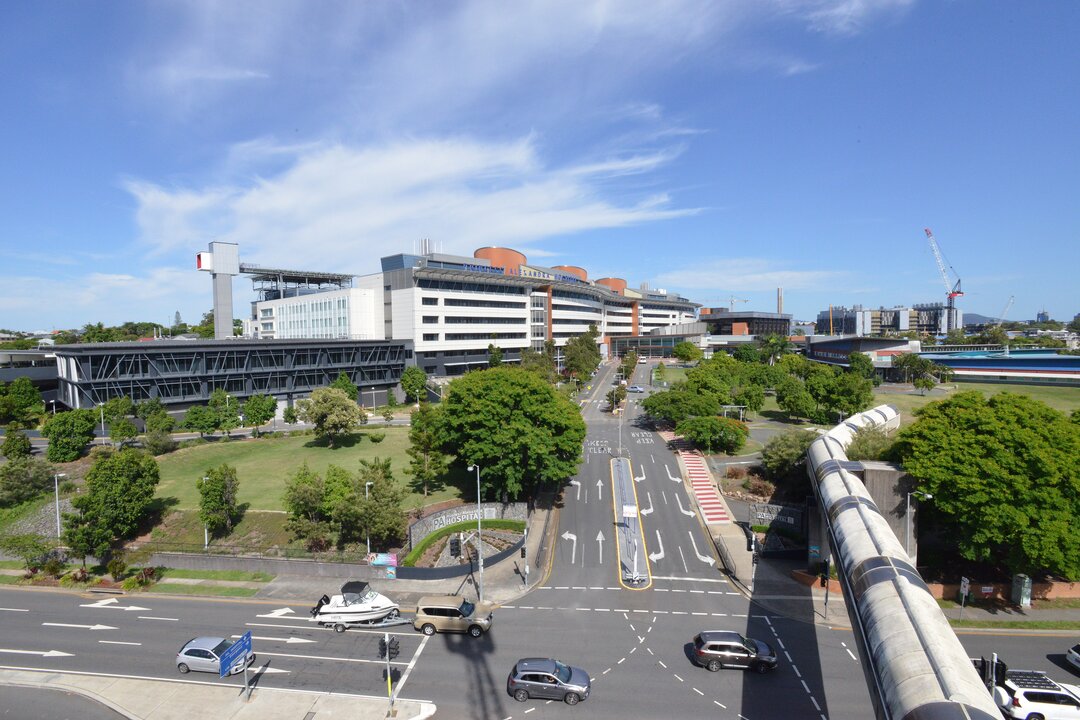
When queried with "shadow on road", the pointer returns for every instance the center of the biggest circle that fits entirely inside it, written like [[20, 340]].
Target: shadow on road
[[475, 656]]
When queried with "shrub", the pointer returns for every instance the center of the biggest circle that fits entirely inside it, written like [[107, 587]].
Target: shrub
[[869, 443], [759, 486], [377, 437], [159, 443], [24, 478], [53, 567], [101, 451], [192, 442], [116, 567], [68, 486], [78, 576], [784, 453], [736, 472]]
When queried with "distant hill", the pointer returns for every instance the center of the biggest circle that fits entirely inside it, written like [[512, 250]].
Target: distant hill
[[971, 318]]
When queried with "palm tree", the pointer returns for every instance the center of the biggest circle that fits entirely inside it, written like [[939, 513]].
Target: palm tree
[[773, 346]]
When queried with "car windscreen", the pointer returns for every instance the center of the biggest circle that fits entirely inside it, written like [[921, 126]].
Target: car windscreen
[[562, 672], [222, 646], [751, 647], [466, 608]]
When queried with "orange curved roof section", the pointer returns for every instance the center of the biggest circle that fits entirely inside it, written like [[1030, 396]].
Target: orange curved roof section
[[616, 285], [509, 260], [574, 270]]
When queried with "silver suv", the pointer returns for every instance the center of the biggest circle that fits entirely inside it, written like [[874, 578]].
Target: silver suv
[[548, 679], [715, 649], [1034, 696]]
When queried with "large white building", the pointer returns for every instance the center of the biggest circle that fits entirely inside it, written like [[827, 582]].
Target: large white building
[[453, 307]]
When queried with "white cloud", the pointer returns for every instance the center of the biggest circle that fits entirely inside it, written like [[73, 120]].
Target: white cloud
[[344, 207], [841, 17], [747, 275]]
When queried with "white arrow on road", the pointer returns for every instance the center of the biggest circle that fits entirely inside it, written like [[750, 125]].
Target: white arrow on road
[[683, 510], [84, 627], [639, 479], [573, 548], [277, 613], [600, 488], [670, 476], [702, 558], [267, 670], [110, 604], [290, 640], [600, 539], [649, 511], [42, 653], [658, 555], [577, 484]]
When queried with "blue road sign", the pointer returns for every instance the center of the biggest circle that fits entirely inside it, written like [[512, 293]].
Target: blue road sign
[[237, 652]]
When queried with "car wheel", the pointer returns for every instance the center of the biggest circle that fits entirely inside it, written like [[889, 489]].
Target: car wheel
[[428, 629], [476, 631], [339, 628], [1035, 716], [572, 699], [713, 665], [761, 668], [183, 668], [521, 695]]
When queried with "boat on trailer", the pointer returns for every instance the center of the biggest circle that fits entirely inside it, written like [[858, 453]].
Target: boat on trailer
[[357, 604]]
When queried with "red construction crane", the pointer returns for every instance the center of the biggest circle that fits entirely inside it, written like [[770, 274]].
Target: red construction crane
[[952, 291]]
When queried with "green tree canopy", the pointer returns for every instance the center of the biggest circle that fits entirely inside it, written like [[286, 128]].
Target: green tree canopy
[[680, 403], [160, 423], [16, 444], [24, 478], [343, 383], [523, 434], [68, 433], [1004, 477], [201, 419], [581, 354], [331, 412], [226, 410], [784, 455], [28, 547], [713, 433], [772, 347], [861, 364], [259, 410], [414, 383], [427, 463], [122, 431], [119, 491], [687, 352], [495, 355], [20, 403], [747, 353], [218, 507], [381, 512]]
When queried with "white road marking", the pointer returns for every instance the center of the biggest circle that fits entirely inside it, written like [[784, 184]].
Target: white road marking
[[683, 561], [510, 607], [806, 688], [682, 591], [664, 495], [780, 642], [110, 604], [660, 590], [698, 592], [633, 650], [703, 558], [678, 678], [606, 671], [795, 668], [660, 612], [699, 613], [816, 706], [337, 659], [151, 617], [596, 588], [720, 704], [577, 484], [84, 627], [718, 614], [678, 612], [529, 710], [14, 610], [278, 613], [602, 609], [42, 653], [698, 691], [288, 641], [118, 642], [690, 579], [523, 607], [662, 664], [632, 627], [852, 655], [412, 663], [621, 661], [684, 511], [648, 511]]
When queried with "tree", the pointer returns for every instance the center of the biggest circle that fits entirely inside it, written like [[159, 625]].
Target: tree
[[849, 393], [747, 353], [158, 443], [346, 385], [784, 454], [751, 396], [342, 498], [581, 354], [495, 355], [259, 410], [218, 508], [24, 478], [774, 346], [523, 434], [679, 403], [331, 412], [795, 400], [21, 403], [68, 433], [427, 463], [201, 419], [414, 383], [28, 547], [381, 512], [159, 422], [615, 396], [1004, 478], [861, 364], [117, 408], [122, 431], [226, 410], [924, 384], [288, 415], [16, 444], [869, 443], [148, 408], [119, 491], [711, 433], [540, 363], [687, 352]]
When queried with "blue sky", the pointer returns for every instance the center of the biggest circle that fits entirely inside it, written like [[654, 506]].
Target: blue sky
[[712, 148]]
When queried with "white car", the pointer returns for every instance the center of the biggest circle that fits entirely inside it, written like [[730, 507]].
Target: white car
[[1073, 656], [1034, 696]]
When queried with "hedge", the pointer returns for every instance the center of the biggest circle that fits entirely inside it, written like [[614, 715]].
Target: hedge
[[412, 557]]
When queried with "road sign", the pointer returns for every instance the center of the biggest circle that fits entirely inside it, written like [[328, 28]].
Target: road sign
[[965, 585], [237, 652]]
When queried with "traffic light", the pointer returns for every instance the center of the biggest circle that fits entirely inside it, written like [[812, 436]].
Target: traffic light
[[455, 546], [825, 573], [382, 647], [394, 647], [523, 551]]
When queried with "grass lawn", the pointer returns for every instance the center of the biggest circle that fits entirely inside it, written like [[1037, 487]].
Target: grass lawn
[[264, 465], [10, 579], [1017, 624], [1065, 399], [217, 575]]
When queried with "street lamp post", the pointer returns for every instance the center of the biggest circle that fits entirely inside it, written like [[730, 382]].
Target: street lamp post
[[479, 534], [205, 527], [53, 403], [101, 408], [907, 516], [56, 489], [367, 485], [373, 399]]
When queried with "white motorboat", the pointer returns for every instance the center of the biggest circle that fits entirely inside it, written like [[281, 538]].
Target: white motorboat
[[357, 603]]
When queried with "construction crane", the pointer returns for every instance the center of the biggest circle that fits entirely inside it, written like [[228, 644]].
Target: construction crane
[[731, 302], [1008, 306], [952, 291]]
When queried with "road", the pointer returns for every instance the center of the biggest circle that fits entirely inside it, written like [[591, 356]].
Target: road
[[632, 637]]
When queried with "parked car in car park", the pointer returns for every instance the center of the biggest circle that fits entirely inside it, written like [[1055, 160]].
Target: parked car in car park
[[203, 654], [452, 613], [715, 649], [548, 679], [1073, 656]]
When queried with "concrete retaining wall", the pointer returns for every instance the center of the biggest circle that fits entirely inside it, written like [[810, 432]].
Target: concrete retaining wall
[[462, 513]]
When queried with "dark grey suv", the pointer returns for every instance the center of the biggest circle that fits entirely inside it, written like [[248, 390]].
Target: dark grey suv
[[548, 679], [715, 649]]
